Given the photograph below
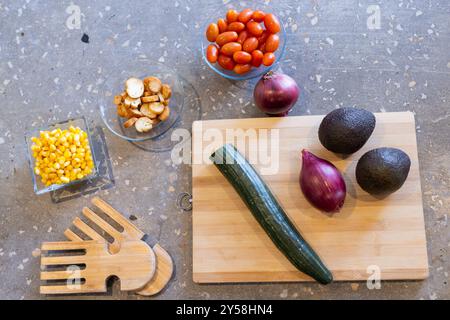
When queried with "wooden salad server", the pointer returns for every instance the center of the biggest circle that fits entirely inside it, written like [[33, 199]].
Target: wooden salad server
[[85, 266], [164, 264]]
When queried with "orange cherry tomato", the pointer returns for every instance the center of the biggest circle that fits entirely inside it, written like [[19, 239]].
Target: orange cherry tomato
[[245, 15], [272, 43], [255, 28], [258, 16], [242, 36], [268, 58], [257, 58], [226, 62], [232, 16], [242, 57], [230, 48], [212, 32], [223, 25], [242, 68], [212, 53], [236, 26], [271, 23], [226, 37], [250, 44]]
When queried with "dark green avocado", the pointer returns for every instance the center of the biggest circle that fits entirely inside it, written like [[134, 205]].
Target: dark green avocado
[[382, 171], [346, 130]]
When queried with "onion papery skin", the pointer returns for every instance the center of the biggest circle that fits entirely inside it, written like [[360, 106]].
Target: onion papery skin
[[322, 183], [276, 94]]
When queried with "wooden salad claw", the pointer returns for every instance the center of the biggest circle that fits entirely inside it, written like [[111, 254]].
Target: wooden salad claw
[[88, 272]]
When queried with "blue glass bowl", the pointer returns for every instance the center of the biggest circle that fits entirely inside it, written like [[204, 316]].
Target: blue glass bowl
[[254, 72]]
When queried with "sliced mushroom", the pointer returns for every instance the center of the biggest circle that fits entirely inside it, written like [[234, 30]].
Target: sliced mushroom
[[145, 109], [136, 112], [153, 84], [130, 122], [121, 110], [117, 99], [143, 124], [152, 98], [166, 91], [165, 115], [134, 87], [166, 102], [156, 107], [161, 97], [135, 103]]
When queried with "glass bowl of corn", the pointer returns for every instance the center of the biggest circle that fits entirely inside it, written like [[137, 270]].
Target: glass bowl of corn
[[60, 155]]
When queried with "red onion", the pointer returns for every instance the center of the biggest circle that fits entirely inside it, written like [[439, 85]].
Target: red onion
[[322, 183], [276, 93]]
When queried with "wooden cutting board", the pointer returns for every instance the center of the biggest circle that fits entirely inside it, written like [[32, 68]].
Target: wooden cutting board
[[369, 234]]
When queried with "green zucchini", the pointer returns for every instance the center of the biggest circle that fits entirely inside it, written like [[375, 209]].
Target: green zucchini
[[268, 212]]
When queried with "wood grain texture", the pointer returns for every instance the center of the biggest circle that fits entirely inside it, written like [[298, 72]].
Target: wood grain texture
[[230, 246], [164, 263], [134, 265]]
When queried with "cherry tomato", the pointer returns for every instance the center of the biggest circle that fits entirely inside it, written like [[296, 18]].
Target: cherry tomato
[[258, 16], [236, 26], [250, 44], [230, 48], [271, 23], [255, 28], [263, 37], [245, 15], [226, 37], [242, 57], [257, 58], [262, 47], [212, 53], [242, 36], [223, 25], [226, 62], [212, 32], [268, 58], [242, 68], [232, 16], [272, 43]]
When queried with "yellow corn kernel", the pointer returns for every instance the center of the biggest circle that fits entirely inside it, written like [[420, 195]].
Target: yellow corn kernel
[[65, 179]]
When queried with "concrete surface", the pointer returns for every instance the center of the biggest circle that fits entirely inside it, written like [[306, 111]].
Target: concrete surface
[[47, 74]]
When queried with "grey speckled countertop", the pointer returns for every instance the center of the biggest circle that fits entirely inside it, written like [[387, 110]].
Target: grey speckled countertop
[[337, 51]]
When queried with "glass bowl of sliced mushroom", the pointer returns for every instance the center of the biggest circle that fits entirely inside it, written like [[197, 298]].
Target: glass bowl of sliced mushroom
[[141, 102]]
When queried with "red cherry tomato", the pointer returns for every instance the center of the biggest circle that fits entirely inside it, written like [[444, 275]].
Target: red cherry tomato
[[255, 28], [226, 37], [242, 57], [250, 44], [230, 48], [242, 36], [226, 62], [271, 23], [268, 58], [223, 25], [212, 53], [245, 15], [258, 15], [272, 43], [236, 26], [257, 58], [242, 68], [212, 32], [263, 37], [232, 16]]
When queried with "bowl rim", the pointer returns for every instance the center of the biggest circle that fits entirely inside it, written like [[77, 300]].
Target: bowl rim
[[244, 76], [29, 133], [121, 134]]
